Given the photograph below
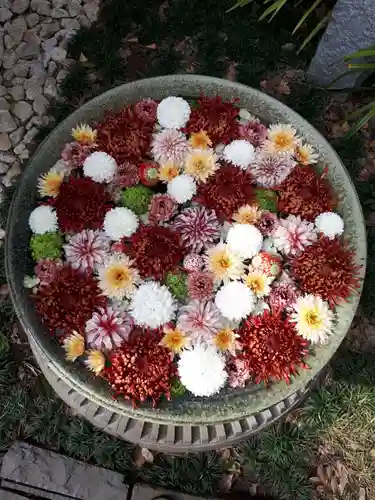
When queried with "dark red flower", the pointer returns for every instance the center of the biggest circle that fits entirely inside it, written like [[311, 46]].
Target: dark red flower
[[327, 268], [81, 204], [272, 347], [68, 301], [141, 369], [146, 110], [306, 194], [127, 175], [217, 118], [226, 191], [156, 250], [125, 136]]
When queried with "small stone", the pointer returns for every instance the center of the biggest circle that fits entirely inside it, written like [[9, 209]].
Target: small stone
[[8, 75], [18, 150], [50, 89], [23, 110], [5, 144], [9, 59], [58, 54], [5, 14], [40, 105], [3, 168], [42, 7], [16, 136], [10, 42], [36, 69], [289, 47], [58, 3], [30, 47], [3, 91], [12, 173], [32, 19], [7, 122], [52, 67], [8, 158], [49, 29], [32, 91], [49, 44], [70, 24], [59, 13], [17, 28], [91, 10], [83, 21], [74, 7], [17, 92], [19, 6], [30, 135], [21, 69], [61, 75]]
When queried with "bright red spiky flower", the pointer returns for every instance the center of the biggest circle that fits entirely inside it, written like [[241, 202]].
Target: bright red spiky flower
[[272, 347], [68, 301], [81, 204], [226, 191], [125, 135], [305, 193], [156, 250], [141, 369], [327, 268], [217, 118]]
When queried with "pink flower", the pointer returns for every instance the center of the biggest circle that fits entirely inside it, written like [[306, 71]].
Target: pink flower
[[238, 372], [268, 223], [162, 208], [108, 328], [270, 170], [127, 175], [254, 132], [74, 153], [170, 145], [200, 285], [283, 295], [293, 235], [146, 110], [193, 262], [198, 228], [46, 270], [199, 320], [87, 249]]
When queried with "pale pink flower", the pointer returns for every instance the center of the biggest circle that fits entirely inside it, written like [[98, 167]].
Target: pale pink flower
[[293, 234], [146, 110], [238, 372], [87, 250], [170, 145], [193, 262], [75, 153], [162, 208], [200, 285], [198, 227], [267, 223], [127, 175], [270, 170], [253, 132], [283, 295], [199, 320], [108, 328], [46, 270]]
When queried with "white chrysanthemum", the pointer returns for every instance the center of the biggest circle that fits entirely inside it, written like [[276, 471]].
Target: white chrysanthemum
[[313, 318], [152, 305], [173, 112], [202, 370], [43, 219], [306, 154], [245, 239], [182, 188], [235, 300], [282, 138], [100, 167], [240, 153], [330, 224], [224, 263], [120, 222]]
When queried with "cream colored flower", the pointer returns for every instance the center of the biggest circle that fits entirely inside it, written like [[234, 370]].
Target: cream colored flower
[[282, 139], [84, 134], [174, 340], [225, 340], [201, 164], [313, 318], [248, 214], [168, 171], [49, 183], [74, 346], [200, 140], [95, 361], [259, 283], [117, 277], [223, 263], [306, 155]]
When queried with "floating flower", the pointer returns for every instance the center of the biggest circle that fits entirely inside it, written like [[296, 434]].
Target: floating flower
[[145, 110], [174, 340], [282, 139], [267, 263], [127, 175], [224, 263], [108, 328], [245, 240], [199, 320], [117, 276], [43, 219], [305, 155], [254, 132], [268, 223], [74, 153], [329, 224], [170, 145], [238, 372], [226, 340], [235, 300], [202, 370], [95, 361], [74, 346], [313, 319], [200, 140], [284, 294], [87, 250], [162, 208], [197, 227], [182, 188], [168, 171], [49, 183], [266, 199], [201, 164], [200, 285], [46, 270], [84, 134], [100, 167], [240, 153], [177, 283], [259, 283], [292, 235], [248, 214], [46, 246], [193, 262], [152, 305], [270, 170], [137, 198], [173, 112], [120, 222]]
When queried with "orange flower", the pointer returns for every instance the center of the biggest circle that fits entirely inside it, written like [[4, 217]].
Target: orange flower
[[200, 140]]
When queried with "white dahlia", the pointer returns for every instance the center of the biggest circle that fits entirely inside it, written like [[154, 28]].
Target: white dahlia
[[182, 188], [292, 235], [120, 222], [245, 239], [313, 318], [235, 300], [202, 370], [330, 224], [43, 219], [282, 138], [240, 153], [224, 263], [100, 167], [173, 112], [152, 305]]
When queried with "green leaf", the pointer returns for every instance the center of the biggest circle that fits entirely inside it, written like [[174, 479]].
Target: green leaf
[[273, 9], [370, 51], [361, 110], [363, 66], [240, 3], [306, 15], [360, 123], [317, 28], [347, 72]]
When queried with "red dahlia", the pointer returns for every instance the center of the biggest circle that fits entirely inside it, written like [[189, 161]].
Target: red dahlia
[[272, 347], [68, 301], [125, 136], [81, 204], [156, 250], [217, 118], [306, 194], [226, 191], [141, 369], [327, 268]]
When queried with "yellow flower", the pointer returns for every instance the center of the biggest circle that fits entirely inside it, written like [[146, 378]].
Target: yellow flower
[[49, 183], [168, 171], [74, 346], [305, 154], [259, 283], [225, 340], [201, 164], [282, 139], [314, 319], [200, 140], [223, 263], [95, 361], [248, 214], [84, 134], [174, 340], [117, 278]]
